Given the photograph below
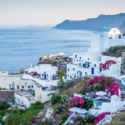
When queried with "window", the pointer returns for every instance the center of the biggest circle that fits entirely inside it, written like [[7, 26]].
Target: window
[[47, 75], [75, 56], [22, 87], [68, 69], [73, 69], [70, 77], [86, 73], [28, 86], [88, 58], [80, 57], [110, 63], [25, 83], [107, 66], [32, 86], [9, 85], [42, 74], [17, 86], [79, 64], [95, 65]]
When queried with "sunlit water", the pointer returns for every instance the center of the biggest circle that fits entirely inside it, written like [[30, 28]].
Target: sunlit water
[[22, 46]]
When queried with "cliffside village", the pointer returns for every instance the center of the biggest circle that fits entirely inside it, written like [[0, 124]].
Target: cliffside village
[[36, 83]]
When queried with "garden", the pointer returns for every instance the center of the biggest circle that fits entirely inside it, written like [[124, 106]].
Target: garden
[[102, 83], [20, 116]]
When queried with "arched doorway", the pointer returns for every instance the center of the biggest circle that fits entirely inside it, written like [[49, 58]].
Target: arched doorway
[[13, 86], [26, 87], [79, 74]]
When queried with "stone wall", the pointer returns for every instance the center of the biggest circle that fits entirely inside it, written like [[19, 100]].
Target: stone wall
[[4, 95]]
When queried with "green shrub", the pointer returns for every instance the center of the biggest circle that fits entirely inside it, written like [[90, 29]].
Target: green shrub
[[33, 110], [26, 122], [88, 104], [55, 99], [64, 85], [96, 87], [114, 49], [18, 111], [63, 99], [56, 109], [65, 58], [40, 58], [83, 93], [4, 105], [13, 119], [63, 119], [39, 123], [2, 114], [61, 73]]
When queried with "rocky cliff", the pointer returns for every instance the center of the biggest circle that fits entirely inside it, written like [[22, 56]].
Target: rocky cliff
[[94, 23]]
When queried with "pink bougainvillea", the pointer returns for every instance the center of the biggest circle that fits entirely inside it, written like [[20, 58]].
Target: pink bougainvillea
[[100, 117], [106, 83], [35, 73], [76, 102]]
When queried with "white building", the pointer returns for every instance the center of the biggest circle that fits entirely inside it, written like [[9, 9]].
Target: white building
[[105, 38], [93, 62], [46, 74], [26, 98], [16, 82], [46, 71]]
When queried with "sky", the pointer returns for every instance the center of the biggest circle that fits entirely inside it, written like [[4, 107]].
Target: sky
[[52, 12]]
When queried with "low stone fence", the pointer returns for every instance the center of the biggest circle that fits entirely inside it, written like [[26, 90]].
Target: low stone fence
[[5, 95]]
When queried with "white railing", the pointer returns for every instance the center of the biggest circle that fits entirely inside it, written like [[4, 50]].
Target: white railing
[[69, 118]]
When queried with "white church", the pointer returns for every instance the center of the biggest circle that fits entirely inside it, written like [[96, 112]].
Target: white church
[[93, 62]]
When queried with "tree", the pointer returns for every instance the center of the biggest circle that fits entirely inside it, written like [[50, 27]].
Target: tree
[[4, 105]]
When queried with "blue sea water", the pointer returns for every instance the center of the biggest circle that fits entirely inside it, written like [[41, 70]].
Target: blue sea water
[[21, 46]]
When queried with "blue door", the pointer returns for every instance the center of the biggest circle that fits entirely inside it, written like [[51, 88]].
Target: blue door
[[100, 69], [88, 64], [92, 71], [26, 86], [13, 86], [80, 74], [44, 76]]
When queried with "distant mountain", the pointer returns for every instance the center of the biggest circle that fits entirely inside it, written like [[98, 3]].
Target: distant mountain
[[122, 28], [94, 23]]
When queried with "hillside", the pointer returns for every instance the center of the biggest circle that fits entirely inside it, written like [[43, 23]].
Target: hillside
[[122, 28], [94, 23]]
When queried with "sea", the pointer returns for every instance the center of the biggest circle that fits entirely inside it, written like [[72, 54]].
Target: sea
[[21, 46]]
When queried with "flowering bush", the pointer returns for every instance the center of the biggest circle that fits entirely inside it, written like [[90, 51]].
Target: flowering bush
[[87, 120], [100, 117], [81, 102], [79, 121], [104, 83], [35, 73], [76, 102]]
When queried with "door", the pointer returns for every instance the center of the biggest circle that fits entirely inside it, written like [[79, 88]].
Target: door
[[26, 87], [92, 71], [13, 86], [44, 76], [100, 69], [80, 74], [88, 64]]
